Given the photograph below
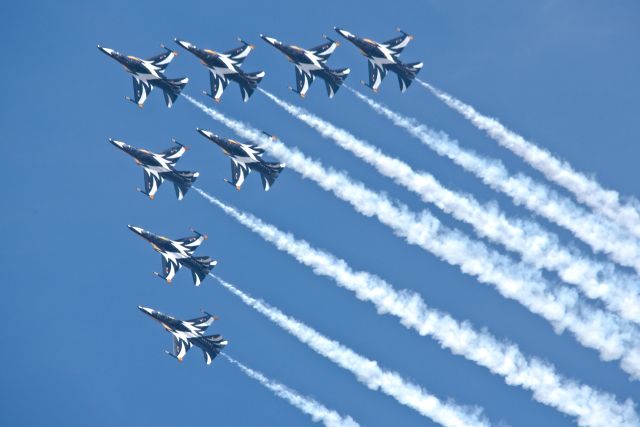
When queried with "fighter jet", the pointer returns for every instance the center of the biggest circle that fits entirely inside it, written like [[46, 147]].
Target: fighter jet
[[383, 57], [149, 73], [178, 253], [160, 166], [244, 159], [311, 63], [187, 333], [226, 66]]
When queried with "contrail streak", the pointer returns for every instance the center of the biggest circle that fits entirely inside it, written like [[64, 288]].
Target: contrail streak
[[591, 407], [317, 411], [367, 371], [598, 232], [620, 292], [613, 337], [587, 190]]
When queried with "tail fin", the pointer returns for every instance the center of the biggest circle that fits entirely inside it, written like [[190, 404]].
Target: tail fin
[[185, 182], [172, 92], [406, 74], [250, 83], [269, 177], [335, 80], [213, 345], [205, 265]]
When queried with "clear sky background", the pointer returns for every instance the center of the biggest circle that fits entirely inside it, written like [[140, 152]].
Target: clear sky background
[[76, 351]]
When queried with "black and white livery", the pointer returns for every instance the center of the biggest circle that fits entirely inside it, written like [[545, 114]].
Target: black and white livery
[[149, 73], [311, 63], [178, 253], [244, 159], [189, 333], [225, 67], [383, 57], [160, 166]]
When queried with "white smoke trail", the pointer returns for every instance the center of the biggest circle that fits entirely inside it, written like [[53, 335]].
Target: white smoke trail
[[317, 411], [367, 371], [587, 190], [613, 337], [590, 407], [620, 292], [598, 232]]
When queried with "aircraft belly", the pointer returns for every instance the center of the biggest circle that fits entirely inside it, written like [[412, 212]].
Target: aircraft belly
[[309, 68], [221, 71], [245, 160]]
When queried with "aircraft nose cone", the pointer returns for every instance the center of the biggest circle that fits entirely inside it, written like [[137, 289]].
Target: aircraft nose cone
[[106, 50], [145, 310], [118, 144], [269, 40], [182, 43], [343, 33], [206, 133], [139, 231]]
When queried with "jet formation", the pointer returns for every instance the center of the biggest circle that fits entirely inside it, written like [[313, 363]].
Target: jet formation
[[160, 166], [149, 73], [224, 67], [178, 253], [311, 63], [244, 159], [187, 333], [383, 57]]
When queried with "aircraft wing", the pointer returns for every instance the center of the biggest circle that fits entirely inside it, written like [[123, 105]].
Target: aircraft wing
[[325, 50], [218, 84], [376, 74], [239, 54], [397, 44], [238, 173], [152, 181], [173, 154], [141, 91], [192, 243], [303, 81], [169, 268], [256, 148], [163, 59], [180, 348], [202, 323]]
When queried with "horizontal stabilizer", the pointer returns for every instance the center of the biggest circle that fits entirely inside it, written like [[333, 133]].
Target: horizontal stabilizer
[[249, 84], [204, 265], [184, 183], [406, 74], [335, 80], [212, 346], [172, 92], [269, 177]]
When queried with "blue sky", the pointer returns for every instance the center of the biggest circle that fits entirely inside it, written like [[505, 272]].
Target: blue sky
[[76, 349]]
